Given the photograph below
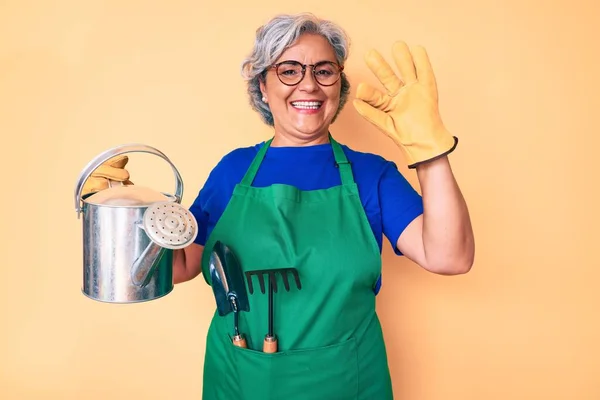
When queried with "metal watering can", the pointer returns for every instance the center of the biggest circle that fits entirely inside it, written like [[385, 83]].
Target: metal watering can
[[129, 234]]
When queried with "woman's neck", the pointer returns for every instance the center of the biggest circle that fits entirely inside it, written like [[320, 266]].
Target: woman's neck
[[288, 140]]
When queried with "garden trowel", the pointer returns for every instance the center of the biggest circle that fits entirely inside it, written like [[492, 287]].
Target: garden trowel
[[229, 287]]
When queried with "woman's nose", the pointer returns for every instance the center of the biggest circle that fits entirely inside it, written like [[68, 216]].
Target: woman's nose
[[308, 82]]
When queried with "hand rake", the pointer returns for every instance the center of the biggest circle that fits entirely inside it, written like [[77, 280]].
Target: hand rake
[[270, 341]]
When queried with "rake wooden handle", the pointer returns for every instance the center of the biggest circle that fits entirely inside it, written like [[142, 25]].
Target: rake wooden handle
[[270, 344]]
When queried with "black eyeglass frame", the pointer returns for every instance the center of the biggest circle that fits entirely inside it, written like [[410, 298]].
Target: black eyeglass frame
[[304, 66]]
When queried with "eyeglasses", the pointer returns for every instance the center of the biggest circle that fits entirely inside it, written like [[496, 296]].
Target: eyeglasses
[[291, 73]]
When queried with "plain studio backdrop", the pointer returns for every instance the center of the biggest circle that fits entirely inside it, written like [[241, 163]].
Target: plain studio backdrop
[[518, 84]]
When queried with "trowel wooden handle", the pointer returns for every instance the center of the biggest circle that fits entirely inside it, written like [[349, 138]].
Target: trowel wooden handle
[[270, 344], [240, 341]]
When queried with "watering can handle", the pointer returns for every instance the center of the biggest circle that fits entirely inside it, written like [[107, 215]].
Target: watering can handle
[[116, 151]]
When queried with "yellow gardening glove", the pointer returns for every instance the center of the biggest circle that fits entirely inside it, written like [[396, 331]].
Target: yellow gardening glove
[[113, 169], [408, 112]]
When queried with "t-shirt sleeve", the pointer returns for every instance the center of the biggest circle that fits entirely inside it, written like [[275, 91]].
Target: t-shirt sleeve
[[202, 205], [216, 192], [400, 203], [197, 209]]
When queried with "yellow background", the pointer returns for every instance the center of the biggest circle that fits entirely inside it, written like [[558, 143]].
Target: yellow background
[[518, 84]]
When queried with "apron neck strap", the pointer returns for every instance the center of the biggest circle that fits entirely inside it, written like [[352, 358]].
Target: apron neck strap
[[253, 169], [341, 161]]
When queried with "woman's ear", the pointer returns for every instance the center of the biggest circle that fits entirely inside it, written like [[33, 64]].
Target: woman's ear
[[263, 90]]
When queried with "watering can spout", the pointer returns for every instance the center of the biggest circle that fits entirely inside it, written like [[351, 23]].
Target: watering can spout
[[168, 225], [142, 268]]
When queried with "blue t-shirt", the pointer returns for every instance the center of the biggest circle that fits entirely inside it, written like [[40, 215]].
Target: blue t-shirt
[[390, 202]]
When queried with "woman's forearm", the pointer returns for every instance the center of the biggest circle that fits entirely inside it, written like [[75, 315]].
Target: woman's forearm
[[187, 263], [447, 232], [179, 266]]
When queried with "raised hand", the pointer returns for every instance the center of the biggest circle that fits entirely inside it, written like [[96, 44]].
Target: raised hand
[[408, 110]]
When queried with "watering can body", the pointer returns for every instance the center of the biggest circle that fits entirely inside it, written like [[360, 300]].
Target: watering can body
[[123, 260]]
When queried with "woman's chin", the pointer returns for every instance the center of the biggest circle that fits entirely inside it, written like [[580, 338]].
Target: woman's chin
[[314, 127]]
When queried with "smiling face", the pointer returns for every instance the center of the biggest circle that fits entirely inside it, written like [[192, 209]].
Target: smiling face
[[302, 113]]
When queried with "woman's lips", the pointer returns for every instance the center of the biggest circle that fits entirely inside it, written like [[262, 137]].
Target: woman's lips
[[307, 106]]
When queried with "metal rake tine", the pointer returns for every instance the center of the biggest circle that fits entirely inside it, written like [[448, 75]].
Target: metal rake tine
[[250, 285], [296, 278], [273, 278], [260, 273], [261, 282], [286, 282]]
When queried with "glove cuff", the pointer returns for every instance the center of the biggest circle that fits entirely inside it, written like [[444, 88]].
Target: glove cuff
[[423, 156]]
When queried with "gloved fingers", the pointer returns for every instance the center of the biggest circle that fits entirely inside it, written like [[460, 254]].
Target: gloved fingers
[[375, 116], [424, 70], [97, 183], [372, 96], [118, 161], [404, 62], [94, 184], [116, 174], [383, 72]]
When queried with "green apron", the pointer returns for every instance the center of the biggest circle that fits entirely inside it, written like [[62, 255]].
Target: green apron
[[330, 340]]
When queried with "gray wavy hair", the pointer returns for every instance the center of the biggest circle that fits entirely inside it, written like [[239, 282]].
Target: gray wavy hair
[[273, 38]]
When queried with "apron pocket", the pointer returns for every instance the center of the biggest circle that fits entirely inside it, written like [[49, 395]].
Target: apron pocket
[[320, 373]]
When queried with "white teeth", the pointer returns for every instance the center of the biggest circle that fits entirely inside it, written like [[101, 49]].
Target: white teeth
[[307, 105]]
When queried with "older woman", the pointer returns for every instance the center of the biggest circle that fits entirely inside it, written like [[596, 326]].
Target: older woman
[[302, 199]]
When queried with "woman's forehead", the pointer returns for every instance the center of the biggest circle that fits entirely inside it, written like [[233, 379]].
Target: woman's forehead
[[309, 49]]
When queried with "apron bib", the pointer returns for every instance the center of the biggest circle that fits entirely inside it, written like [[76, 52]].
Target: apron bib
[[330, 343]]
